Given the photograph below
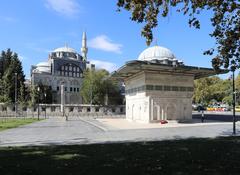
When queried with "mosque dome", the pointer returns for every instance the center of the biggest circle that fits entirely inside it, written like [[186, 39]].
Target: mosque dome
[[65, 52], [65, 49], [156, 53]]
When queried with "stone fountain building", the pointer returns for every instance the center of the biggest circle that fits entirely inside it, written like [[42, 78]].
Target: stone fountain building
[[158, 86]]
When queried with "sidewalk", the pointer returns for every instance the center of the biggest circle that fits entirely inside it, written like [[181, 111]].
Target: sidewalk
[[121, 124]]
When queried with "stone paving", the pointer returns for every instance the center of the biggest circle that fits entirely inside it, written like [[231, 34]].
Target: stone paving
[[56, 131]]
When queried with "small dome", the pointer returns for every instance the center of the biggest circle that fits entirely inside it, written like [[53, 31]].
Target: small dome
[[43, 67], [65, 49], [156, 53], [43, 64]]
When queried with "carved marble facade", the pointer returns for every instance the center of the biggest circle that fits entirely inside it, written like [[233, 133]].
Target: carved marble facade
[[161, 97]]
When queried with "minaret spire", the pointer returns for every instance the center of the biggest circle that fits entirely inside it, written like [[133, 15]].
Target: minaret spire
[[84, 48]]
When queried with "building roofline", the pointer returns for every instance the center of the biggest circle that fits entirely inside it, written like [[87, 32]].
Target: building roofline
[[135, 66]]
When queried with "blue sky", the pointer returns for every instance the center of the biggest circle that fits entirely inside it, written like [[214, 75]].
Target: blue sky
[[33, 28]]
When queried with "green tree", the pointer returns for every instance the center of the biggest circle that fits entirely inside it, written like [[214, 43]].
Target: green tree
[[95, 87], [225, 20], [11, 65], [38, 96], [212, 89], [33, 96], [237, 85]]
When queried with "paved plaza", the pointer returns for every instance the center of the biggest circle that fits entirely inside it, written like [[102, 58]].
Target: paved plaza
[[56, 131]]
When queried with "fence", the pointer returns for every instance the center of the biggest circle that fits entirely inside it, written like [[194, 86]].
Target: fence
[[53, 110]]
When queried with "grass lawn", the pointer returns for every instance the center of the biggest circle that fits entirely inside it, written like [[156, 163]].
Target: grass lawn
[[13, 123], [192, 156]]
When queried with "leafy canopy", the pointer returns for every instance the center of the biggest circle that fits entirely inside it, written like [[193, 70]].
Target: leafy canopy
[[207, 90], [97, 88], [11, 70], [225, 21]]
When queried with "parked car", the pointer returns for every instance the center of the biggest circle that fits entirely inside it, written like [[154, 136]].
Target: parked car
[[237, 108], [198, 107], [218, 108]]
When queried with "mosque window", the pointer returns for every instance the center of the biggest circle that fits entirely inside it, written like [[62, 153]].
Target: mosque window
[[157, 87], [167, 88], [174, 88], [149, 87], [74, 68], [183, 89], [77, 69], [78, 74], [74, 74], [70, 74], [70, 68], [190, 89], [74, 89]]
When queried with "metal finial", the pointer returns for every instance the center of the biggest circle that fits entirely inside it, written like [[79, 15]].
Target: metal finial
[[156, 42]]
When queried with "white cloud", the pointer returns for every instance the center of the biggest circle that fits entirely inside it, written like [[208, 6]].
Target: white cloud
[[104, 43], [69, 8], [7, 19], [104, 65]]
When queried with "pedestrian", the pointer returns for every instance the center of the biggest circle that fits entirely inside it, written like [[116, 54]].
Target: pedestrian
[[202, 116]]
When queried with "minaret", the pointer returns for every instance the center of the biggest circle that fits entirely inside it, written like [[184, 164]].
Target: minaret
[[84, 48]]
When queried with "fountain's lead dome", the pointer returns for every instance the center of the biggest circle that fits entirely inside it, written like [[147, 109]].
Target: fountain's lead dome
[[156, 53]]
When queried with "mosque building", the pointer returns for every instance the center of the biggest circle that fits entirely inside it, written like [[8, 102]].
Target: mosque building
[[64, 66], [158, 86]]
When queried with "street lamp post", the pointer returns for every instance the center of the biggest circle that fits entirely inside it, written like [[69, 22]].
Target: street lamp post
[[15, 94], [234, 102], [45, 95], [38, 89]]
